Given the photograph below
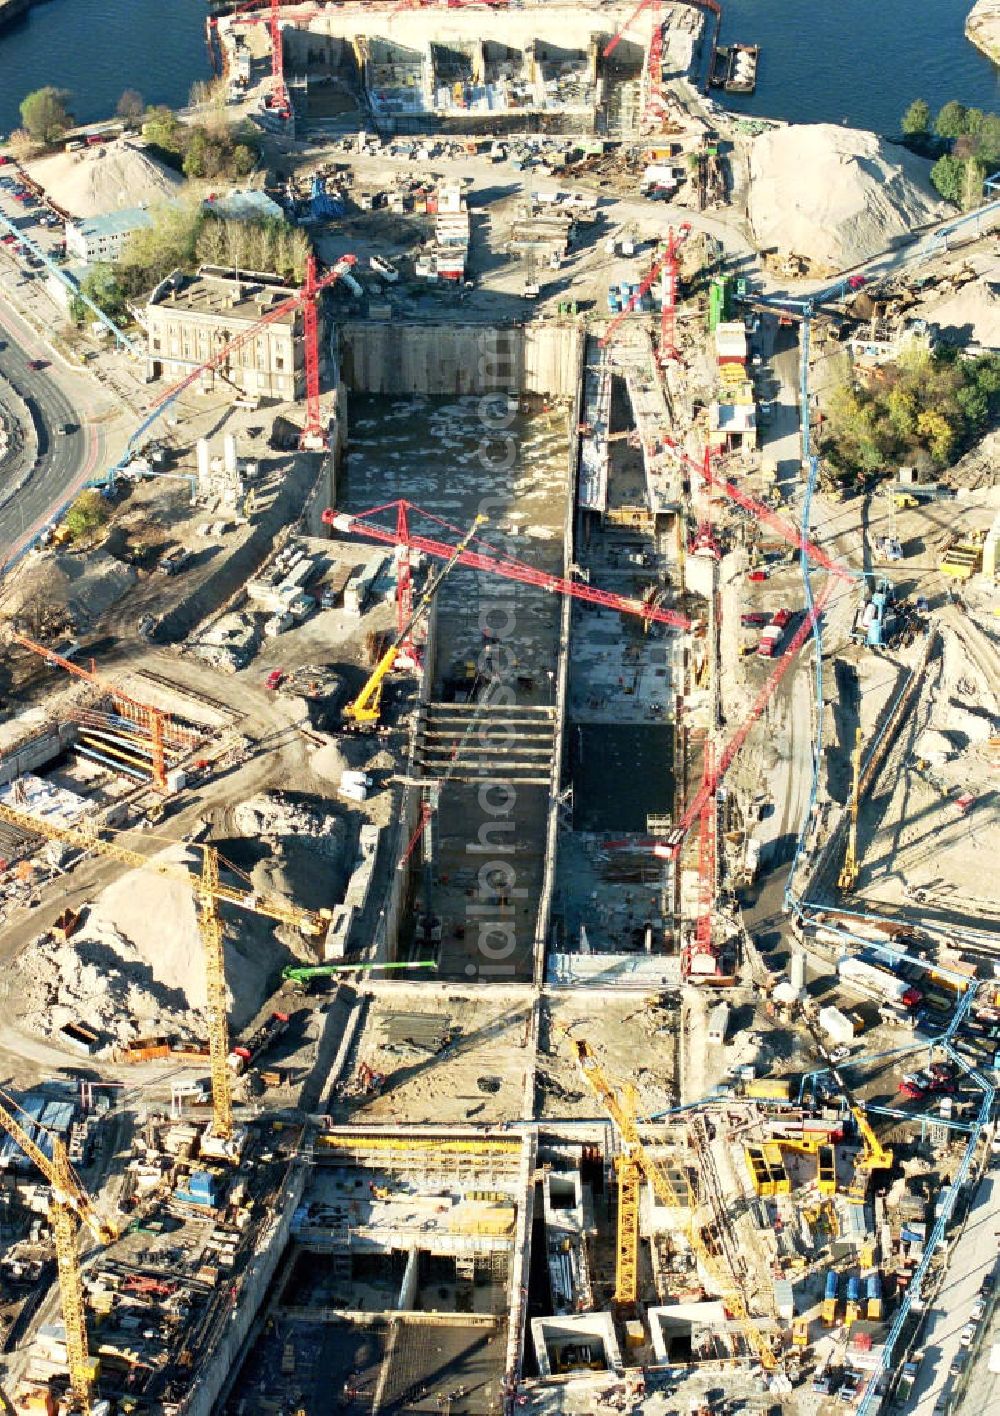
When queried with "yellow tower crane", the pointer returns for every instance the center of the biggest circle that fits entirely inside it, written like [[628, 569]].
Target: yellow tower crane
[[68, 1203], [849, 870], [366, 708], [209, 891], [676, 1196]]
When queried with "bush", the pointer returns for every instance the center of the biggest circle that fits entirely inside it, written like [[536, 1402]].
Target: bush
[[86, 516]]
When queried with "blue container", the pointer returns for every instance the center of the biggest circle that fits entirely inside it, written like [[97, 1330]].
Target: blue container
[[854, 1289], [831, 1286], [873, 1287]]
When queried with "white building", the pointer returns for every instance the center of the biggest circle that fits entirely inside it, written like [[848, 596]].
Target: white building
[[94, 239]]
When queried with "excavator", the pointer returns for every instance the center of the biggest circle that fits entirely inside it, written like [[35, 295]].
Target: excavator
[[364, 712]]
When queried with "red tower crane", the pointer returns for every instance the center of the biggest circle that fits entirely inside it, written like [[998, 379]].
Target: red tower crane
[[668, 302], [708, 822], [312, 436], [654, 60], [280, 102], [666, 262], [492, 562]]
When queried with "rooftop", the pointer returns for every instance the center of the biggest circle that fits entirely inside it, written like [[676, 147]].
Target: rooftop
[[212, 292], [114, 223]]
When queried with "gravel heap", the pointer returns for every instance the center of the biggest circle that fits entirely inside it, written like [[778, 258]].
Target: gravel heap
[[837, 196], [105, 178]]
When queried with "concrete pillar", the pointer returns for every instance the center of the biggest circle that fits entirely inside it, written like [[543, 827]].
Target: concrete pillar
[[204, 461], [229, 454], [408, 1291]]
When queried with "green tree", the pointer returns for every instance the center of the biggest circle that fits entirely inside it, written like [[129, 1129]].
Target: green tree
[[901, 409], [244, 160], [87, 515], [973, 178], [946, 177], [917, 118], [975, 405], [100, 285], [45, 115], [130, 107], [950, 122], [974, 120], [988, 143], [162, 128], [168, 243]]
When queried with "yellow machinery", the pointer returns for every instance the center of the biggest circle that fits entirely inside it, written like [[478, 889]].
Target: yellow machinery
[[849, 870], [366, 708], [68, 1202], [639, 1162], [208, 891], [210, 929], [874, 1156]]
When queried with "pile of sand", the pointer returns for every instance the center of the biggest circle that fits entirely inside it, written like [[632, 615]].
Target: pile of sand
[[105, 178], [971, 315], [136, 964], [837, 196]]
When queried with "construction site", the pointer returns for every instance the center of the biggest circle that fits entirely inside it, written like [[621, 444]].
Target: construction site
[[494, 830]]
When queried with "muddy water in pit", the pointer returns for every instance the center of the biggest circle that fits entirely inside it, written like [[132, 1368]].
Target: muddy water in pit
[[456, 458]]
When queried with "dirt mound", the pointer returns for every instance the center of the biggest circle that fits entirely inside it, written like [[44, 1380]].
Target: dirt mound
[[105, 178], [837, 196], [136, 965]]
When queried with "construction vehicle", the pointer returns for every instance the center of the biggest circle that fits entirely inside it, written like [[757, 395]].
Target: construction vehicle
[[849, 870], [365, 710], [874, 1155], [69, 1205], [635, 1164]]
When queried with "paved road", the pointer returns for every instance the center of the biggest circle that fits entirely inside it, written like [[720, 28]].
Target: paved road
[[973, 1256], [64, 462]]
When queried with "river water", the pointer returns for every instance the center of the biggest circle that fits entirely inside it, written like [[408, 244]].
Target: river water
[[859, 61]]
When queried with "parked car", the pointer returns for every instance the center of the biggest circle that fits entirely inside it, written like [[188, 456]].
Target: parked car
[[38, 363], [754, 617], [275, 679], [967, 1335], [758, 575]]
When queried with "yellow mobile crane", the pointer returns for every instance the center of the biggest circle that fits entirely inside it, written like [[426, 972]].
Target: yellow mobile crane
[[208, 892], [849, 870], [68, 1202], [874, 1155], [366, 708], [639, 1162]]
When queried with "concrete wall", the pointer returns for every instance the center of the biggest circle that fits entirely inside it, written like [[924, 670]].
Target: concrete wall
[[37, 751], [215, 1374], [557, 27], [448, 359]]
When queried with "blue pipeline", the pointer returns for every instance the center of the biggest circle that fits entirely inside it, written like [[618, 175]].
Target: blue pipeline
[[71, 286]]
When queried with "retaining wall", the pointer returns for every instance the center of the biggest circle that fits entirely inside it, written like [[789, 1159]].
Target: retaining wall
[[217, 1373], [449, 359]]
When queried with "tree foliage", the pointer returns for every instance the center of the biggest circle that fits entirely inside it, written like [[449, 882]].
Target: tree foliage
[[166, 244], [917, 118], [102, 287], [87, 515], [269, 246], [950, 122], [45, 115], [974, 138], [927, 403], [130, 106]]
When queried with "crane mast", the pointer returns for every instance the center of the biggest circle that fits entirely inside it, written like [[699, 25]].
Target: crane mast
[[69, 1204], [210, 929]]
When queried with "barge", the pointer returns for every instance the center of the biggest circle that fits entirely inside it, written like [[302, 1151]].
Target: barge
[[734, 67]]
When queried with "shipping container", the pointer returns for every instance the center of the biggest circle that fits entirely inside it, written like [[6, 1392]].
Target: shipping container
[[769, 1089]]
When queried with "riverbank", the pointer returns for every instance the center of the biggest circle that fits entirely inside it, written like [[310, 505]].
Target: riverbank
[[11, 10], [982, 28]]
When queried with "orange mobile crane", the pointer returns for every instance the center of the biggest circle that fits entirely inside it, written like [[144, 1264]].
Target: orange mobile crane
[[69, 1206]]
